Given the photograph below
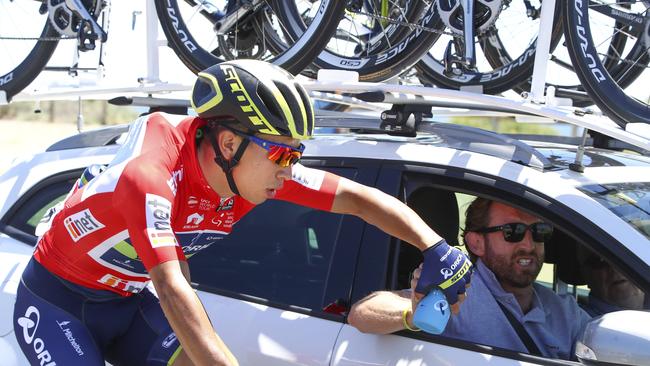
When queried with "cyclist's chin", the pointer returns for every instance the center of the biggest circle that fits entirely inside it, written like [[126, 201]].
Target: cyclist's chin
[[256, 197]]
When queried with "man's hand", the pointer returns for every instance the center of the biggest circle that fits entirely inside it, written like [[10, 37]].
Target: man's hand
[[445, 267]]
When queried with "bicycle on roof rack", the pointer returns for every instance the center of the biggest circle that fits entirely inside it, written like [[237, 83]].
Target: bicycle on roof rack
[[31, 30], [607, 44]]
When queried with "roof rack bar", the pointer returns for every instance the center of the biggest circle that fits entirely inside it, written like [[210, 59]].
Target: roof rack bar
[[345, 99], [149, 102], [398, 98], [565, 114]]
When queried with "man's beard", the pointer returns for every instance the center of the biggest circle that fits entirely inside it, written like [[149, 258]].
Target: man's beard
[[503, 268]]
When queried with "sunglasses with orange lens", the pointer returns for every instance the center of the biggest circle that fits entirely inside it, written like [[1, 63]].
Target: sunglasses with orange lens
[[281, 154]]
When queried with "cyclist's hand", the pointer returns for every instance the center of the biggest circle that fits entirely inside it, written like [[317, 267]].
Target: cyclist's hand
[[449, 269]]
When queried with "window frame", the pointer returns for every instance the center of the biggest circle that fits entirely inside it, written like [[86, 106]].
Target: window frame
[[53, 186]]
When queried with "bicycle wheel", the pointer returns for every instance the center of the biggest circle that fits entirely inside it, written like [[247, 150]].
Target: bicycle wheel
[[378, 39], [507, 34], [27, 42], [620, 92], [561, 73], [190, 27]]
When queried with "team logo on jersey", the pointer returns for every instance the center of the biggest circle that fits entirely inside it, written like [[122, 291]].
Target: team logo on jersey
[[177, 176], [226, 204], [192, 201], [158, 214], [124, 285], [195, 219], [81, 224], [224, 219]]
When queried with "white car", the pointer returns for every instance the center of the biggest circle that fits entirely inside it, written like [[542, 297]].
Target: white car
[[277, 289]]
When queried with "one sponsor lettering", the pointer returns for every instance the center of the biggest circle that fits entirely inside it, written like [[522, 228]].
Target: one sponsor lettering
[[158, 215], [121, 284], [169, 340], [68, 335], [29, 323], [81, 224], [177, 176], [310, 178]]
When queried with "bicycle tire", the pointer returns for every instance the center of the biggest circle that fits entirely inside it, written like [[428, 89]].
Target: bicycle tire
[[507, 72], [624, 74], [294, 59], [17, 79], [594, 76], [386, 61]]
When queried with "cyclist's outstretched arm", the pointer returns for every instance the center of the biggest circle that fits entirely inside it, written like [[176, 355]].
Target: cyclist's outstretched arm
[[397, 219], [187, 316], [384, 211]]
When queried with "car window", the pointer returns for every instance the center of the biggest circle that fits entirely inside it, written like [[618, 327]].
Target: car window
[[34, 220], [28, 211], [280, 252], [629, 201]]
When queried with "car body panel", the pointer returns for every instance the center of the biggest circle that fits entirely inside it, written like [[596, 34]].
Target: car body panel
[[263, 335], [354, 348]]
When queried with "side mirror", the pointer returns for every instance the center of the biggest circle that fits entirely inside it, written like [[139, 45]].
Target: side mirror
[[621, 338]]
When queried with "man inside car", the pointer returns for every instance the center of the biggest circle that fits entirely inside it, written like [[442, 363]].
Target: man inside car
[[610, 289], [507, 246]]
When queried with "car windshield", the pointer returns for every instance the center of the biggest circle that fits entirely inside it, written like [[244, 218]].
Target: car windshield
[[629, 201]]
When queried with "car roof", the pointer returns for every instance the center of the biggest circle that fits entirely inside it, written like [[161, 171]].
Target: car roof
[[536, 151]]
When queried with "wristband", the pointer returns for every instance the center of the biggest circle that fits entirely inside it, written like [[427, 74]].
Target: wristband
[[406, 324]]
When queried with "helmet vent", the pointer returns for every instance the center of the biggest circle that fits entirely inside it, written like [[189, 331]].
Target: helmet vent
[[306, 102], [293, 105], [270, 102]]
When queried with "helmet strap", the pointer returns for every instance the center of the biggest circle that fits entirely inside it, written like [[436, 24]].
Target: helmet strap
[[227, 165]]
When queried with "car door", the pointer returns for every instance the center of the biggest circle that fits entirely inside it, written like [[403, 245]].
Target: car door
[[276, 288], [16, 246]]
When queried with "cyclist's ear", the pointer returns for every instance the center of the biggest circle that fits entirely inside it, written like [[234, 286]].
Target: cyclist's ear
[[227, 141], [475, 243]]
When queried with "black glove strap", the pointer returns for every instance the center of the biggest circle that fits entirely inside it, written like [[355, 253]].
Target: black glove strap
[[521, 332]]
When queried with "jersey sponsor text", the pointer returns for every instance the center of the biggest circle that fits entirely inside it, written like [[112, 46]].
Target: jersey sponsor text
[[81, 224]]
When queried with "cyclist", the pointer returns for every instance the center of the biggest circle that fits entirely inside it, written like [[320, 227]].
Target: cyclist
[[84, 298]]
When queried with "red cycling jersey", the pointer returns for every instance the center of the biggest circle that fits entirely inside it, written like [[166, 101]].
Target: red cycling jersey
[[151, 205]]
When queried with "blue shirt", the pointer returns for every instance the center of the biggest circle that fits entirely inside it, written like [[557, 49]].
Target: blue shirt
[[554, 322]]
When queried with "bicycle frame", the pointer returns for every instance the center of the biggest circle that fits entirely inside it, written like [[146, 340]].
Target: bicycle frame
[[542, 52]]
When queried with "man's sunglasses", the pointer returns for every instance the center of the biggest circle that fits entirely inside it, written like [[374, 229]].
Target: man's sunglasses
[[515, 232], [281, 154]]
